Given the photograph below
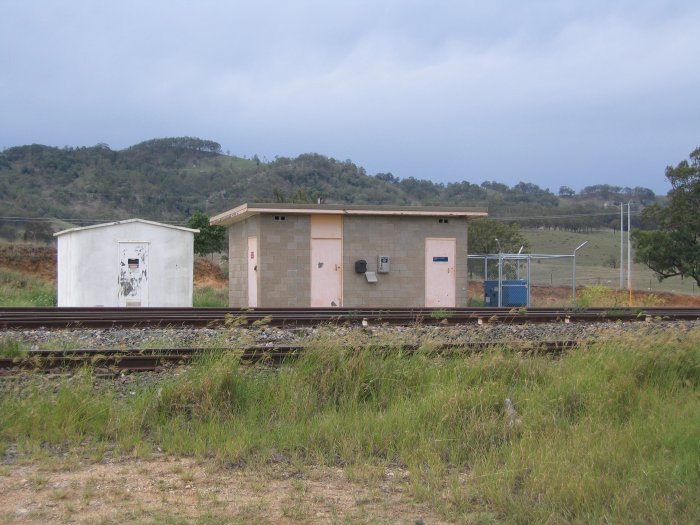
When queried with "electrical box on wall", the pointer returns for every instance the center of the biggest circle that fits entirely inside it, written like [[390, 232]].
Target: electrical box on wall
[[383, 264]]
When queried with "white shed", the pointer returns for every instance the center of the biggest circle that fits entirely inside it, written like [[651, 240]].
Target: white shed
[[126, 263]]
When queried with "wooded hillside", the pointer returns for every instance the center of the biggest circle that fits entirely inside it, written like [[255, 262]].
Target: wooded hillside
[[169, 179]]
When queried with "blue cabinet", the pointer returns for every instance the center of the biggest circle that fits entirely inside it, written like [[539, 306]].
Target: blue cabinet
[[514, 292]]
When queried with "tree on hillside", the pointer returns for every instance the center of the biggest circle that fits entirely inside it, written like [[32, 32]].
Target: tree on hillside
[[674, 248], [186, 143], [602, 191], [210, 239], [566, 191]]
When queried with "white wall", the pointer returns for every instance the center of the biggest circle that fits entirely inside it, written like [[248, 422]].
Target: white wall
[[88, 264]]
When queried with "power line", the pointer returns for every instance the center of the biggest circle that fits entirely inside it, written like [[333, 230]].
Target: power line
[[524, 218], [573, 216], [79, 221]]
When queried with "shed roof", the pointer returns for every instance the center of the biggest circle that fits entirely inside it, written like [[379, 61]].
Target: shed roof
[[128, 221], [244, 211]]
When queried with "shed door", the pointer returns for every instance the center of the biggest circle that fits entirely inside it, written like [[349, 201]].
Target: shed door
[[440, 274], [326, 260], [133, 274], [252, 272], [326, 272]]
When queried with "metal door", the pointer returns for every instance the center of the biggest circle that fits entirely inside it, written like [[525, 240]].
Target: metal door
[[252, 272], [133, 274], [326, 272], [326, 260], [440, 272]]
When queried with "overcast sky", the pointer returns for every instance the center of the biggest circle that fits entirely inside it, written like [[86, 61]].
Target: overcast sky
[[551, 92]]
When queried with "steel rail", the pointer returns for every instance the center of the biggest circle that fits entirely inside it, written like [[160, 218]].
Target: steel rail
[[137, 360], [142, 317]]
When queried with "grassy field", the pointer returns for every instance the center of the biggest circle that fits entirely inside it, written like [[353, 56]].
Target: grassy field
[[590, 262], [19, 289], [607, 433]]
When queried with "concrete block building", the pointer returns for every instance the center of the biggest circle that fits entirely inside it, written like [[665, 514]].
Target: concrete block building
[[130, 263], [301, 255]]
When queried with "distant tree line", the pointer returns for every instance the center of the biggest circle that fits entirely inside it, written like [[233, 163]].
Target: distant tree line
[[607, 192]]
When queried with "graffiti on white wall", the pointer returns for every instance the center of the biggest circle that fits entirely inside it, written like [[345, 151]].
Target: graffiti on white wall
[[133, 274]]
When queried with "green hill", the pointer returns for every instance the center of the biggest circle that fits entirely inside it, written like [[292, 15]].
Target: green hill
[[169, 179]]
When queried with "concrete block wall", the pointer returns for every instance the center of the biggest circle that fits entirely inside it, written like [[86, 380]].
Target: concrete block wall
[[285, 259], [284, 246], [403, 240]]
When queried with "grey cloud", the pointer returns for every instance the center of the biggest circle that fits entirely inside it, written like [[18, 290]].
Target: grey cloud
[[445, 90]]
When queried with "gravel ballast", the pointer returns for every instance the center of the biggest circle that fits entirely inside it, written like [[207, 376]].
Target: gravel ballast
[[239, 337]]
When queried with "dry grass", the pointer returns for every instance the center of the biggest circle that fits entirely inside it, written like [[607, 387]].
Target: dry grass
[[154, 490]]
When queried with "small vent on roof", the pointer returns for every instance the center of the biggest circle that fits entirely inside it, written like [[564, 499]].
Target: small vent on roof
[[280, 218]]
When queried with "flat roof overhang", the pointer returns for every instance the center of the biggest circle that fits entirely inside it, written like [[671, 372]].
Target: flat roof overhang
[[244, 211]]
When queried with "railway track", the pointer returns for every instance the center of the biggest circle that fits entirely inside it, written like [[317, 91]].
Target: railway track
[[141, 360], [197, 317]]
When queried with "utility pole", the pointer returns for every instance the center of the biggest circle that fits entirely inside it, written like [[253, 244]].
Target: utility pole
[[622, 244], [629, 253]]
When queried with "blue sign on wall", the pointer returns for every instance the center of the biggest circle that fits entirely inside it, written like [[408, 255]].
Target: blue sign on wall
[[440, 259]]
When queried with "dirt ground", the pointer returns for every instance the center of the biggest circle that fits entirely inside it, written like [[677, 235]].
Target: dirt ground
[[208, 273], [185, 490]]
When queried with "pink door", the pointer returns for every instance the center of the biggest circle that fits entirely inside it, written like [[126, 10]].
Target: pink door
[[252, 272], [440, 274], [326, 272], [326, 260]]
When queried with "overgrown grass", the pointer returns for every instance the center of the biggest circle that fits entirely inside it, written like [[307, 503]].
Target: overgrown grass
[[601, 296], [607, 433], [17, 289], [210, 297], [11, 347]]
